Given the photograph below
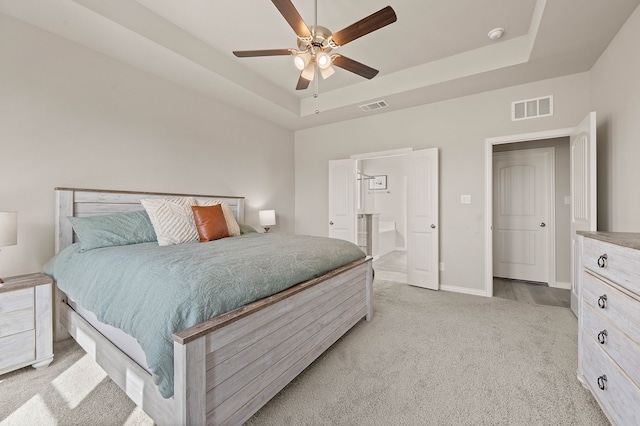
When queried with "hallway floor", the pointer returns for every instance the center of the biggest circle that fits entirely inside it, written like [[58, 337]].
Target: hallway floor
[[532, 293]]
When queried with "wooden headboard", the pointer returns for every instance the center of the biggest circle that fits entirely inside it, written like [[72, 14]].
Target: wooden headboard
[[93, 202]]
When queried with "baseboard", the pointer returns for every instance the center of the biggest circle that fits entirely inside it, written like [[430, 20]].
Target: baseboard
[[464, 290], [400, 249], [562, 285]]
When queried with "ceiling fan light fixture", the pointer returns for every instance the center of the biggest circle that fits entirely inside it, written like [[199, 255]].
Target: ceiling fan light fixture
[[327, 72], [301, 60], [323, 60], [309, 71]]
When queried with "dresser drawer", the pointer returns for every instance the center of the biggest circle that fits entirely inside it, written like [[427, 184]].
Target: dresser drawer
[[16, 321], [622, 264], [17, 349], [618, 346], [620, 398], [16, 300], [615, 306]]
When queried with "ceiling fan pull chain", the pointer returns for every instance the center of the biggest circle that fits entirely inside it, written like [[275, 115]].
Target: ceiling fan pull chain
[[315, 95]]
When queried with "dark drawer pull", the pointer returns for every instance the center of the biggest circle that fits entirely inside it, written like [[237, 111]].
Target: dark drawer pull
[[602, 261], [602, 301], [602, 382], [602, 337]]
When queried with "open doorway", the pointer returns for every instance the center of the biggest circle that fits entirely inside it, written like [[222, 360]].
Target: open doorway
[[413, 211], [583, 197], [531, 221], [381, 200]]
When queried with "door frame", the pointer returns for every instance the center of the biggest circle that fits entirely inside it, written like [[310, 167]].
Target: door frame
[[488, 159]]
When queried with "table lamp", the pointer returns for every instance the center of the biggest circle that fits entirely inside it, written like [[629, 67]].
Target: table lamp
[[267, 219], [8, 230]]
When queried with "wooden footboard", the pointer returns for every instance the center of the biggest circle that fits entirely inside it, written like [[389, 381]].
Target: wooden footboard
[[243, 362], [227, 368]]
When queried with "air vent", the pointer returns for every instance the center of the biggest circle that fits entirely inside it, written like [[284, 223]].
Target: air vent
[[532, 108], [374, 105]]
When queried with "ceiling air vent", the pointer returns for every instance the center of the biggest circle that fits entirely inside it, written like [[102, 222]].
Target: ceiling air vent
[[532, 108], [374, 105]]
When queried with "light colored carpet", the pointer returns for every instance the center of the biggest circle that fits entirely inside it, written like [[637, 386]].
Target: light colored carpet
[[427, 358]]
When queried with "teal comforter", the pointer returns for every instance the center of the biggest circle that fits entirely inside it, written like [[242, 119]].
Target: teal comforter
[[151, 292]]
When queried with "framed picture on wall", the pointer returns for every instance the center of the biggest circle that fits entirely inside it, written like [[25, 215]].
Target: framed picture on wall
[[378, 182]]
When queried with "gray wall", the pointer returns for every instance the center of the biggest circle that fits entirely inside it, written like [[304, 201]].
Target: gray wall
[[459, 128], [615, 95], [72, 117]]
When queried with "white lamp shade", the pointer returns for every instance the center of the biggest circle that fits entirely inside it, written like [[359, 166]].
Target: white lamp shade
[[267, 217], [309, 71], [327, 72], [301, 60], [323, 60], [8, 228]]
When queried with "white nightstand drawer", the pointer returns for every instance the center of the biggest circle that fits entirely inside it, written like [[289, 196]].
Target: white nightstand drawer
[[17, 349], [620, 398], [621, 265], [620, 348], [16, 321], [16, 300], [617, 307]]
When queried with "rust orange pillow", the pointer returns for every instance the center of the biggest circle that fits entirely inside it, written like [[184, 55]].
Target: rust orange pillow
[[210, 222]]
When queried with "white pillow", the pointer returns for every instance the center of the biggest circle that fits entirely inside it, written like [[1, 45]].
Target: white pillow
[[172, 219], [232, 223]]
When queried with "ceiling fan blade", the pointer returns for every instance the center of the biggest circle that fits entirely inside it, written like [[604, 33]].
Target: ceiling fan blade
[[373, 22], [354, 66], [290, 13], [303, 83], [268, 52]]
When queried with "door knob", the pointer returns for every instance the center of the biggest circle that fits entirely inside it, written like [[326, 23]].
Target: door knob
[[433, 226], [542, 224], [331, 223]]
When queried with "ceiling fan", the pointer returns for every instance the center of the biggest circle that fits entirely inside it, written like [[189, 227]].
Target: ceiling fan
[[315, 44]]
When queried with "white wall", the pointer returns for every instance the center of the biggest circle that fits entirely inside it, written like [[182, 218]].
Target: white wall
[[74, 118], [615, 95], [458, 127]]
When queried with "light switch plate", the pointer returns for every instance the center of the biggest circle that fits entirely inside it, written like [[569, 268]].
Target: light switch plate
[[465, 199]]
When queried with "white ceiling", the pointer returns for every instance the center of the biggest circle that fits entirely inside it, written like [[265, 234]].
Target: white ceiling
[[436, 50]]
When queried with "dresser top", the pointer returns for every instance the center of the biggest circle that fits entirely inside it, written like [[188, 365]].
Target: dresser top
[[624, 239]]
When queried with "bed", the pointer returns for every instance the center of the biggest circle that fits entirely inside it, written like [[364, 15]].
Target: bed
[[225, 368]]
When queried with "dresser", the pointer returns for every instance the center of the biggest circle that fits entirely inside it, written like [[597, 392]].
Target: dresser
[[609, 323], [26, 322]]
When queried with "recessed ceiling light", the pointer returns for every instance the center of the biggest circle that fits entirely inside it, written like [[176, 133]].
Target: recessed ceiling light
[[496, 33]]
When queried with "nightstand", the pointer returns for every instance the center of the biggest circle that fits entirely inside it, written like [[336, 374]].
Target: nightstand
[[26, 322]]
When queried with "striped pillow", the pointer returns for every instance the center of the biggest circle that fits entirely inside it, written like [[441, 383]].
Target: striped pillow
[[172, 219]]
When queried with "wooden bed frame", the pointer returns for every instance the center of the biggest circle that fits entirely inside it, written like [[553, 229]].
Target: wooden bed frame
[[228, 367]]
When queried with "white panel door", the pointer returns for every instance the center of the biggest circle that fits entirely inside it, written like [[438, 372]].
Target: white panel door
[[583, 195], [522, 190], [342, 203], [422, 219]]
